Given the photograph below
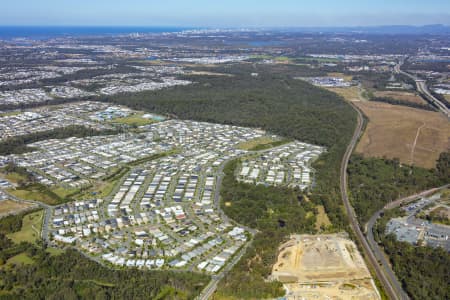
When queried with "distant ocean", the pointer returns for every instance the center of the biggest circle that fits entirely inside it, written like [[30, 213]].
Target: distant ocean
[[41, 33]]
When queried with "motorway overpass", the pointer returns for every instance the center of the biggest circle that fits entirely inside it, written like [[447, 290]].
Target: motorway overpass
[[422, 88]]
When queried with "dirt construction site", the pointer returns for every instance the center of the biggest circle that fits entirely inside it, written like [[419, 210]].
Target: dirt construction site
[[323, 267]]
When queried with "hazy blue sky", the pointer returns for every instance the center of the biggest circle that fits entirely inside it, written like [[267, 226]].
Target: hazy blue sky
[[223, 13]]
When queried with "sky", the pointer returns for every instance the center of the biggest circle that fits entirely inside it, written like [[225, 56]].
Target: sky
[[224, 13]]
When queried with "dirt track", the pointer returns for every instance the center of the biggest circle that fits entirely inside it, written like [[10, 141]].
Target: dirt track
[[393, 132]]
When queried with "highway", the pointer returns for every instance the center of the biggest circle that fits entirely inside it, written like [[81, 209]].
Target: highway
[[387, 279], [422, 88], [373, 255]]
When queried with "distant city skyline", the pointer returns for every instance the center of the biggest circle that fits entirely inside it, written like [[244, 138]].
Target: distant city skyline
[[230, 13]]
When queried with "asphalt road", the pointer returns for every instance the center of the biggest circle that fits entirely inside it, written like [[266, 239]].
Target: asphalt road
[[387, 280], [211, 287], [423, 89]]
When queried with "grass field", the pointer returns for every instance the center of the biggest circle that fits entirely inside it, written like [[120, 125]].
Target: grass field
[[10, 113], [282, 58], [261, 56], [318, 59], [36, 193], [8, 206], [134, 120], [99, 189], [199, 73], [261, 143], [54, 251], [350, 93], [341, 75], [14, 177], [412, 135], [31, 228], [403, 96], [64, 192], [21, 258]]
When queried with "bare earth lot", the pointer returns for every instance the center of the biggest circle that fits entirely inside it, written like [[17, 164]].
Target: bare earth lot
[[323, 267], [322, 218], [11, 207], [352, 93], [412, 135], [404, 96]]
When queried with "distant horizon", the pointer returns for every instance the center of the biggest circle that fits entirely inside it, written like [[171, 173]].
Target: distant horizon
[[219, 27], [230, 13], [43, 32]]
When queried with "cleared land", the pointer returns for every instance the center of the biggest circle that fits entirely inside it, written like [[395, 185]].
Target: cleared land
[[36, 193], [99, 189], [351, 93], [318, 59], [134, 120], [10, 113], [54, 251], [440, 212], [412, 135], [20, 259], [31, 228], [210, 73], [403, 96], [11, 207], [323, 267], [13, 177], [262, 143], [322, 219], [341, 75]]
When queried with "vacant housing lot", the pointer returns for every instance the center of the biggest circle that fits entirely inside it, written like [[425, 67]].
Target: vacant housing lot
[[412, 135]]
